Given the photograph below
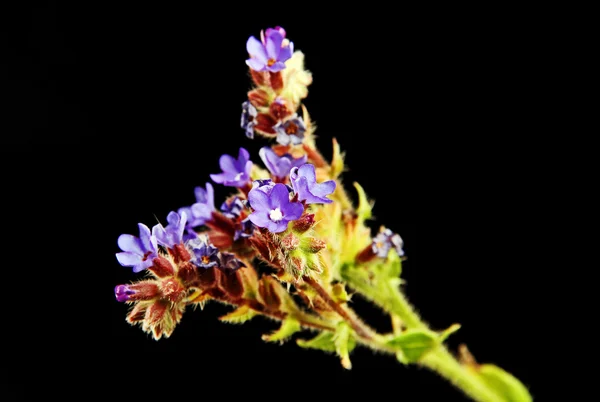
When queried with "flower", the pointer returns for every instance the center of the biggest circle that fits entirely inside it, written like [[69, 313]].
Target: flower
[[273, 210], [204, 254], [385, 241], [290, 131], [232, 208], [137, 253], [123, 293], [280, 166], [271, 52], [304, 183], [173, 233], [229, 262], [235, 173], [249, 113], [247, 228], [201, 210]]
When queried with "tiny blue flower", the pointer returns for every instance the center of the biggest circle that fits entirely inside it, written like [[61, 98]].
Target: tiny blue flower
[[137, 253], [204, 254], [304, 183], [273, 210], [290, 131], [271, 52], [249, 112], [280, 166], [235, 172], [385, 241], [232, 208]]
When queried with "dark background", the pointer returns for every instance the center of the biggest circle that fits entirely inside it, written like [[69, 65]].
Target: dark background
[[116, 112]]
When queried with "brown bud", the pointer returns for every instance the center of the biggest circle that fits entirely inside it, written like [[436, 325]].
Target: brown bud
[[162, 267], [268, 294], [144, 290], [207, 277], [290, 241], [279, 109], [180, 253], [314, 156], [172, 290], [276, 81], [264, 124], [222, 230], [303, 224], [367, 254], [137, 313], [187, 273], [258, 77], [155, 312], [258, 98], [232, 285], [312, 245]]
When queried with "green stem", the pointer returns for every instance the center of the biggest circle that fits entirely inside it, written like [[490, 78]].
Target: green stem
[[439, 360]]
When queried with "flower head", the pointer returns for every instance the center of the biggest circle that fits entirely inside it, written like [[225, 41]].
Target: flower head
[[290, 131], [273, 210], [271, 52], [138, 252], [247, 228], [204, 254], [304, 183], [123, 293], [249, 113], [280, 166], [232, 208], [173, 233], [201, 211], [385, 241], [235, 172]]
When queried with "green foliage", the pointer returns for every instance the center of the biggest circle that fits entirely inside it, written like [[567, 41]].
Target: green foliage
[[412, 344], [504, 383], [239, 315], [289, 326], [341, 342]]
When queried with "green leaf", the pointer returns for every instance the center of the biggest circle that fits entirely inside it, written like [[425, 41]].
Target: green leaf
[[289, 326], [239, 315], [343, 339], [449, 331], [324, 341], [504, 383], [393, 265], [413, 343]]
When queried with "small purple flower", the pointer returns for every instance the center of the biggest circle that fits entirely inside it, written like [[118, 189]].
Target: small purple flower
[[273, 210], [385, 241], [137, 253], [229, 262], [246, 230], [290, 131], [271, 52], [123, 292], [201, 211], [249, 113], [280, 166], [173, 233], [204, 254], [232, 208], [304, 183], [235, 173]]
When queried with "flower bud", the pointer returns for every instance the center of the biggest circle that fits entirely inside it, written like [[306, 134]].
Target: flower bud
[[258, 77], [142, 290], [276, 81], [258, 98], [264, 124], [269, 296], [162, 267], [232, 285], [290, 241], [303, 224], [180, 253], [312, 245], [279, 109], [172, 290]]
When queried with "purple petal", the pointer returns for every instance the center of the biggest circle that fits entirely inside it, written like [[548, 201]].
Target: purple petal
[[273, 45], [243, 156], [147, 240], [324, 189], [286, 53], [308, 170], [227, 164], [260, 218], [130, 243], [256, 50], [142, 266], [259, 200], [247, 169], [220, 178], [280, 196], [256, 65], [269, 158], [277, 227], [128, 259], [277, 66]]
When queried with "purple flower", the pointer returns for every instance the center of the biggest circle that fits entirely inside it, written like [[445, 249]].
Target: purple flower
[[229, 262], [123, 292], [304, 182], [232, 208], [271, 52], [290, 131], [204, 254], [137, 253], [245, 231], [249, 112], [235, 173], [273, 210], [280, 166], [385, 241], [173, 233], [201, 211]]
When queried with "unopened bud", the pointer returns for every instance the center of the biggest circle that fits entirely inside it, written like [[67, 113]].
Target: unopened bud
[[276, 81], [172, 290], [312, 245], [162, 267], [303, 224], [290, 241], [258, 98]]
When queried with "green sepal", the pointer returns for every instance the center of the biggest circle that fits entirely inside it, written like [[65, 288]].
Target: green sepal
[[503, 383], [364, 206], [448, 331], [323, 341], [239, 315], [340, 342], [393, 265], [412, 344], [338, 291], [289, 326], [337, 161]]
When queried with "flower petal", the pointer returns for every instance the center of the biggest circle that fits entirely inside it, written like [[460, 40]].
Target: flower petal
[[280, 196], [308, 170], [293, 211], [128, 259], [256, 65], [323, 189], [260, 218], [273, 44], [228, 164], [286, 53], [130, 243], [259, 200], [277, 66], [256, 50]]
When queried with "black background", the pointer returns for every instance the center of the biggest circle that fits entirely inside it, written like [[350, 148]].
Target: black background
[[117, 111]]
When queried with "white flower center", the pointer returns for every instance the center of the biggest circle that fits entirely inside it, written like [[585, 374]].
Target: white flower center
[[276, 215], [238, 176]]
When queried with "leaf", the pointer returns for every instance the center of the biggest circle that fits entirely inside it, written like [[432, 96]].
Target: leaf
[[393, 265], [413, 343], [342, 339], [449, 331], [504, 383], [324, 341], [337, 161], [240, 315], [289, 326]]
